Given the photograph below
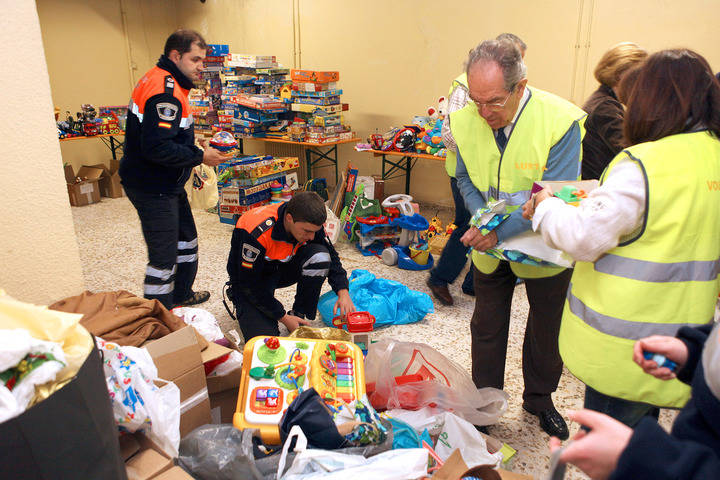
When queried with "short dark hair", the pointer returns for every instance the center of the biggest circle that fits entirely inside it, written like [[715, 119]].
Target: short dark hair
[[182, 41], [675, 91], [307, 207]]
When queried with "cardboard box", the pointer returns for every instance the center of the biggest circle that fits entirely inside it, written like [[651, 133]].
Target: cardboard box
[[455, 467], [86, 191], [110, 180], [144, 460], [314, 76], [175, 473], [223, 392], [178, 359]]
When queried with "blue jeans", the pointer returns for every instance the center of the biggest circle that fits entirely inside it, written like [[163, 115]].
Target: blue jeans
[[454, 255], [625, 411]]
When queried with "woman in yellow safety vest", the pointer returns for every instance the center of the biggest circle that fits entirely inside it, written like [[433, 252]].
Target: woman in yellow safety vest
[[646, 241]]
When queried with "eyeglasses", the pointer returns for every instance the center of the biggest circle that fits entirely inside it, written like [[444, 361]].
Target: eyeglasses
[[493, 107]]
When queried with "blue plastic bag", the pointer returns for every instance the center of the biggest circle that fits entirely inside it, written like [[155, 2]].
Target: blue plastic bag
[[390, 302]]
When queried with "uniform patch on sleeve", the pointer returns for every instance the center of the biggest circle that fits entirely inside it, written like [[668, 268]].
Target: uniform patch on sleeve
[[249, 255], [167, 111], [164, 125]]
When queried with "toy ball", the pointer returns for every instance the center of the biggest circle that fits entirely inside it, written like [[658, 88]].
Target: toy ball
[[223, 141]]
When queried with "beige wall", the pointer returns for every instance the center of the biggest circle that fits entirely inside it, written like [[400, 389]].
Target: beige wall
[[40, 259], [395, 58], [91, 59]]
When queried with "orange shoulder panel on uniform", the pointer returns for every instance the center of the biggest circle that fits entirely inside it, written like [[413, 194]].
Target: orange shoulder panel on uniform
[[274, 250], [153, 83]]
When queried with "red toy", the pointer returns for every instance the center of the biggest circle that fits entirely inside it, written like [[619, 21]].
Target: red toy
[[355, 322]]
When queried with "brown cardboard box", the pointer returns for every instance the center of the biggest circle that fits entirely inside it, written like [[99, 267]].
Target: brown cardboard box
[[110, 180], [148, 461], [178, 359], [455, 467], [175, 473], [223, 392], [87, 191]]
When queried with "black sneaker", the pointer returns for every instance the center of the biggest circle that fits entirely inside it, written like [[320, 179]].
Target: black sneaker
[[196, 298]]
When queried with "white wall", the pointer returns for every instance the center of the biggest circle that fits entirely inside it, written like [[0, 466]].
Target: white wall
[[38, 250]]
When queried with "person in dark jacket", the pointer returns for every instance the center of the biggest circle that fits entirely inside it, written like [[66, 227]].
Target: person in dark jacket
[[159, 154], [604, 125], [276, 246], [692, 449]]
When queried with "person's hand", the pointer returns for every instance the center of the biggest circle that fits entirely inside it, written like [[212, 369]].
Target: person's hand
[[671, 347], [473, 238], [292, 322], [529, 207], [596, 453], [213, 157], [344, 303], [203, 143]]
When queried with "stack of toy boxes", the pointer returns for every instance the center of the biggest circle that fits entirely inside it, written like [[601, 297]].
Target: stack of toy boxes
[[253, 84], [205, 100], [244, 183], [316, 99]]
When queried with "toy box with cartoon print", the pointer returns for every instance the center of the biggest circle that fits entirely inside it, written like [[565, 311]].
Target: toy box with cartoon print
[[277, 369]]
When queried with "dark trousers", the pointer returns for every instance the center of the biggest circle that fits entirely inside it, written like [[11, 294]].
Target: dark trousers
[[308, 269], [625, 411], [171, 238], [541, 362], [454, 255]]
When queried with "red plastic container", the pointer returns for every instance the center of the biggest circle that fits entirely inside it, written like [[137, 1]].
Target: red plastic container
[[356, 322]]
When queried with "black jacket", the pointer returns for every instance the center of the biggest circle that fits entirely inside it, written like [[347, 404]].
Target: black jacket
[[603, 131], [258, 280], [692, 450], [159, 150]]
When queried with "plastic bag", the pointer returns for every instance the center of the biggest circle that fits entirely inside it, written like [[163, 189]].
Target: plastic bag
[[403, 464], [453, 433], [437, 381], [201, 187], [25, 362], [390, 302], [204, 322], [138, 404], [222, 452]]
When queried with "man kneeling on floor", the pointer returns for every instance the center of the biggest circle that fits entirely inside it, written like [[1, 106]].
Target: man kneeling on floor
[[275, 246]]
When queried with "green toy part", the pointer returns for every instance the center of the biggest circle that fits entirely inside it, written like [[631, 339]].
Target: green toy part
[[271, 357], [568, 194]]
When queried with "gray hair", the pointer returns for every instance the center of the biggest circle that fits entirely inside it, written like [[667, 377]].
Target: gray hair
[[503, 52], [513, 38]]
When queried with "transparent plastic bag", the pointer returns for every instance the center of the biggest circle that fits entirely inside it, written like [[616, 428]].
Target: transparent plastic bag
[[430, 379]]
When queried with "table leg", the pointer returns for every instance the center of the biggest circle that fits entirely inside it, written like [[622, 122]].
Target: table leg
[[408, 169], [308, 163]]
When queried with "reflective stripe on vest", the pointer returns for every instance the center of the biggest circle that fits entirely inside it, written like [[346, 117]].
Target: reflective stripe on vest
[[711, 361], [275, 250], [663, 278], [510, 175], [618, 327], [699, 271], [450, 157]]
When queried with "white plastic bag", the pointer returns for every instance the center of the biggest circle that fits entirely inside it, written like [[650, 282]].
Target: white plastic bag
[[531, 243], [203, 321], [332, 226], [138, 404], [25, 362], [442, 382], [402, 464], [453, 433], [201, 187]]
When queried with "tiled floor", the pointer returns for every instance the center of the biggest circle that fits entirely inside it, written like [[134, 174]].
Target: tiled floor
[[114, 257]]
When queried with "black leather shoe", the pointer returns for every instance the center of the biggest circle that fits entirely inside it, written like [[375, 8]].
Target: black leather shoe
[[482, 429], [440, 292], [551, 422]]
